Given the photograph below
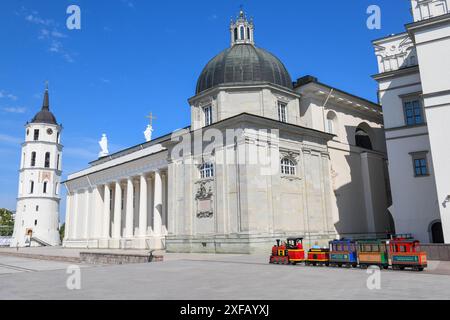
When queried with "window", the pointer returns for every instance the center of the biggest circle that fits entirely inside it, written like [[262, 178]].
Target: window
[[287, 166], [362, 139], [45, 187], [282, 114], [248, 33], [420, 167], [57, 163], [57, 137], [33, 159], [36, 134], [37, 208], [235, 34], [413, 112], [31, 187], [47, 159], [208, 115], [242, 33], [331, 121], [207, 170], [420, 163], [35, 222]]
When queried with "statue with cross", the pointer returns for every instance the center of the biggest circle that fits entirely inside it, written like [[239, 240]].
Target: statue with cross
[[149, 131]]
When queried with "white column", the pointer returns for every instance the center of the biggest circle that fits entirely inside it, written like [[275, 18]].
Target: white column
[[98, 213], [87, 205], [106, 212], [157, 208], [76, 213], [164, 202], [117, 211], [68, 234], [143, 207], [129, 221]]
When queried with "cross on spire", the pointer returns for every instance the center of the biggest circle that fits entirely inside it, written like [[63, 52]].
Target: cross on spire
[[151, 117]]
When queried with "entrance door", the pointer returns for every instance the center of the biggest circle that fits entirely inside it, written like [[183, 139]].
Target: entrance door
[[436, 232]]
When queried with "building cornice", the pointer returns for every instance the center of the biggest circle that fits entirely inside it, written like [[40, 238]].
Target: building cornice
[[427, 23], [396, 73], [58, 172], [242, 86]]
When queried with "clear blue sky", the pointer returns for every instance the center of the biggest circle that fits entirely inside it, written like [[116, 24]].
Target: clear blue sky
[[136, 56]]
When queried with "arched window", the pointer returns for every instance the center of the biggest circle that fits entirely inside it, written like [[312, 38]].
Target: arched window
[[437, 234], [242, 33], [248, 34], [288, 167], [207, 170], [331, 125], [31, 187], [45, 187], [362, 138], [47, 159], [33, 159], [235, 34]]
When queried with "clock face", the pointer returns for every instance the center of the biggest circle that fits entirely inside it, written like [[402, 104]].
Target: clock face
[[49, 131]]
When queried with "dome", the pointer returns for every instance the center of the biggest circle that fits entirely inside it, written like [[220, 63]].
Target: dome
[[45, 115], [243, 64]]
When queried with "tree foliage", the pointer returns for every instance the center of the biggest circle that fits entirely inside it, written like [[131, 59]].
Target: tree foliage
[[6, 222]]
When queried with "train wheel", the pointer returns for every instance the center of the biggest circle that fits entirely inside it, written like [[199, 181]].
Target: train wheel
[[402, 268], [339, 265], [385, 267], [420, 269]]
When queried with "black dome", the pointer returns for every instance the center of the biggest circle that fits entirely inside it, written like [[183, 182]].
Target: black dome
[[45, 116], [243, 64]]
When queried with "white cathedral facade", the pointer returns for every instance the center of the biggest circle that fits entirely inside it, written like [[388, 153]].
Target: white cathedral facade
[[205, 189]]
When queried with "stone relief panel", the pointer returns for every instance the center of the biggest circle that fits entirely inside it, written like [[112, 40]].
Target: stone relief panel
[[396, 54], [204, 200]]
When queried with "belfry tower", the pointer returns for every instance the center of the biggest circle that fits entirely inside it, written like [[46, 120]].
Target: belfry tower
[[37, 214]]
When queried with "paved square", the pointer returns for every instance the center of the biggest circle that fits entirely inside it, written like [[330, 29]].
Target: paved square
[[197, 276]]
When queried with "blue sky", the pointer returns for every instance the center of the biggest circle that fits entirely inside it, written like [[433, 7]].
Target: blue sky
[[132, 57]]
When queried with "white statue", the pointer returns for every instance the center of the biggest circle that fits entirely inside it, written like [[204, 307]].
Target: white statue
[[148, 133], [104, 146]]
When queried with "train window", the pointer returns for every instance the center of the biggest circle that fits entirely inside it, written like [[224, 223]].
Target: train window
[[402, 249], [367, 248]]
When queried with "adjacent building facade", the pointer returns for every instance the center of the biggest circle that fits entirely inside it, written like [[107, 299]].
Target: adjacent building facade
[[263, 158], [414, 90]]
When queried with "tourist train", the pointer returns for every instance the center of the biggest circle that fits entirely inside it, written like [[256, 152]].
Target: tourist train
[[398, 252]]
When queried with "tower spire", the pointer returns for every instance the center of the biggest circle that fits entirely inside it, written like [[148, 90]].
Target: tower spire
[[46, 102], [242, 30]]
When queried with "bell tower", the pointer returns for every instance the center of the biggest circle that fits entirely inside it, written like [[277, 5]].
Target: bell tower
[[37, 213], [242, 30]]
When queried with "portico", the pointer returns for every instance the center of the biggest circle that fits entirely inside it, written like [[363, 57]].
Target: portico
[[119, 206]]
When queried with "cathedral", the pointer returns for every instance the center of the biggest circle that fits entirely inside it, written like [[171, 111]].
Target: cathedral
[[264, 157]]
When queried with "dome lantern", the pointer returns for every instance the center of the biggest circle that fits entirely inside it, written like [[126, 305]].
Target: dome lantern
[[242, 30]]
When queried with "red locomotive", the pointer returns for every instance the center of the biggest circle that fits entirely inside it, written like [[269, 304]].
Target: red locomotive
[[289, 252]]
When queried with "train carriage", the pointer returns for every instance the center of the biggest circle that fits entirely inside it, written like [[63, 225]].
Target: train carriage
[[372, 252], [404, 252], [343, 253], [318, 256]]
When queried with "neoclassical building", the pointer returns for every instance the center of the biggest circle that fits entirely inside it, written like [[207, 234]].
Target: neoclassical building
[[414, 90], [263, 157]]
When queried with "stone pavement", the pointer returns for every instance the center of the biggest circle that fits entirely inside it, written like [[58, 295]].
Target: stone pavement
[[208, 276]]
